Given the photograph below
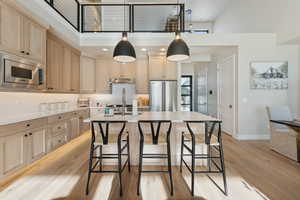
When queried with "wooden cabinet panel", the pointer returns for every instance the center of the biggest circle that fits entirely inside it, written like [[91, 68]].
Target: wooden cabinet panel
[[37, 144], [102, 76], [142, 79], [54, 65], [34, 40], [67, 70], [156, 68], [161, 69], [171, 71], [12, 153], [10, 29], [87, 74], [75, 79], [74, 127]]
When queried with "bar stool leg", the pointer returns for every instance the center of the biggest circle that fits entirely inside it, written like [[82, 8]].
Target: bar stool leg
[[128, 152], [140, 166], [209, 157], [170, 166], [120, 166], [223, 168], [181, 155], [100, 162], [193, 165], [90, 169]]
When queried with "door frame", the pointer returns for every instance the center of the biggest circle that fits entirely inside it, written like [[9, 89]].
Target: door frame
[[235, 88]]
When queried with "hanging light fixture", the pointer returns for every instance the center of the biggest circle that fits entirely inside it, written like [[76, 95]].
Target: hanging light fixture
[[178, 49], [124, 51]]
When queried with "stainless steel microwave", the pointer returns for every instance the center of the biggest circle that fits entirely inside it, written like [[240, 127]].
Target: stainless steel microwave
[[17, 72]]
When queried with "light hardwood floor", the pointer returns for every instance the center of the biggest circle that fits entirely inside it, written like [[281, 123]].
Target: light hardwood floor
[[253, 171]]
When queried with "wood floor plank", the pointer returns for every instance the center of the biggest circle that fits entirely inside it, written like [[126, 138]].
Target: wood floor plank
[[254, 172]]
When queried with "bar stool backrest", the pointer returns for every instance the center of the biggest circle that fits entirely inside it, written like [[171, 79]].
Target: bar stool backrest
[[157, 129], [105, 130], [209, 127]]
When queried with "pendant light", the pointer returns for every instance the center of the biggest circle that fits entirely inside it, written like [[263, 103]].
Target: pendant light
[[124, 51], [178, 49]]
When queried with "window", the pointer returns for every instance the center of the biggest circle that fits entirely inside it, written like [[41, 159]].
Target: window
[[186, 93]]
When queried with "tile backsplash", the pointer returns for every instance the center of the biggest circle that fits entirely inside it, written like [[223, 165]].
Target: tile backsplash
[[18, 103]]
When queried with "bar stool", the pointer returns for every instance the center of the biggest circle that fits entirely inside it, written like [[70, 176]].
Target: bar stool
[[155, 137], [213, 140], [105, 137]]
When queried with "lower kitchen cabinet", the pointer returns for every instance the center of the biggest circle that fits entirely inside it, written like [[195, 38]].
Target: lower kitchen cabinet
[[12, 153], [74, 127], [20, 149], [36, 144]]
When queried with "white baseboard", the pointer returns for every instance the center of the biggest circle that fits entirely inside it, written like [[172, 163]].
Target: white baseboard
[[253, 137]]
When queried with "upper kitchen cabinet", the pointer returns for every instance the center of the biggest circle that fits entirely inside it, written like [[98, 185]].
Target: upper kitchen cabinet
[[20, 35], [161, 69], [11, 29], [142, 79], [102, 76], [63, 66], [87, 74], [34, 40], [55, 61], [75, 75]]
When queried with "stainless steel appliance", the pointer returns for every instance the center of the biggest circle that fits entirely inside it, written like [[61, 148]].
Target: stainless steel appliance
[[163, 95], [17, 72], [83, 102], [123, 93]]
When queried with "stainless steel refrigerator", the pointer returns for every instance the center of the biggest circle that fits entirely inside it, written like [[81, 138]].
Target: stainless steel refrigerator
[[163, 95]]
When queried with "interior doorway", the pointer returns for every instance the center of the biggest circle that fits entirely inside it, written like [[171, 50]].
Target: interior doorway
[[227, 94]]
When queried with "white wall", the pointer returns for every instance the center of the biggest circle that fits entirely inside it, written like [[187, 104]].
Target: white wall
[[18, 104], [259, 16]]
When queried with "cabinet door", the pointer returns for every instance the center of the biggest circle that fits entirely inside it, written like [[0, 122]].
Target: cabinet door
[[171, 70], [34, 38], [87, 74], [67, 70], [75, 129], [10, 29], [102, 76], [156, 68], [142, 80], [36, 144], [12, 153], [75, 79], [54, 65]]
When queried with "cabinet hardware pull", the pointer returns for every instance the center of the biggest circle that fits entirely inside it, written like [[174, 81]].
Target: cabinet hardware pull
[[59, 141], [27, 53], [59, 127], [30, 133], [27, 125], [59, 117], [22, 51], [25, 135]]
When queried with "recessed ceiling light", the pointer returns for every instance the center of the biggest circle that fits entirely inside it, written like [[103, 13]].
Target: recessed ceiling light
[[143, 49], [162, 49], [104, 49]]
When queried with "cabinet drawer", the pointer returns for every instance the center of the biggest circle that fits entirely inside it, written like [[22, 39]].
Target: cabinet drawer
[[58, 118], [58, 141], [59, 127], [22, 126]]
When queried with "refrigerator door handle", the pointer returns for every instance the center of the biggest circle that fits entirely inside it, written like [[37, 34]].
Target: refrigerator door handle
[[163, 96]]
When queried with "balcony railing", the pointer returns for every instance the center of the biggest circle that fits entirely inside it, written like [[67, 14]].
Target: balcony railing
[[130, 17]]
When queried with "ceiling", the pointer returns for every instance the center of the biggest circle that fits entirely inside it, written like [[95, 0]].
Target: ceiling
[[202, 10]]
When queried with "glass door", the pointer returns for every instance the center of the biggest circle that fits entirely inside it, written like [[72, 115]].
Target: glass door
[[186, 93]]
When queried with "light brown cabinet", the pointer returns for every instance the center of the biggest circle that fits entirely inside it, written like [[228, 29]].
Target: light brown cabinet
[[20, 35], [36, 144], [87, 75], [63, 66], [161, 69], [142, 79]]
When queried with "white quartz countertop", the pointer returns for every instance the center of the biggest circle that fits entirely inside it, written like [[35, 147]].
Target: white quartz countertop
[[176, 117], [37, 115]]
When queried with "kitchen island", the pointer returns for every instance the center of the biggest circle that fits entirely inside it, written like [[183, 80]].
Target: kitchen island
[[177, 118]]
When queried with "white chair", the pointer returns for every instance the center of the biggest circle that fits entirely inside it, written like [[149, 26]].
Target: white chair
[[283, 139]]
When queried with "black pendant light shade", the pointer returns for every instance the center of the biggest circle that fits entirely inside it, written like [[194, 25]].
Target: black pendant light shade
[[178, 50], [124, 51]]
